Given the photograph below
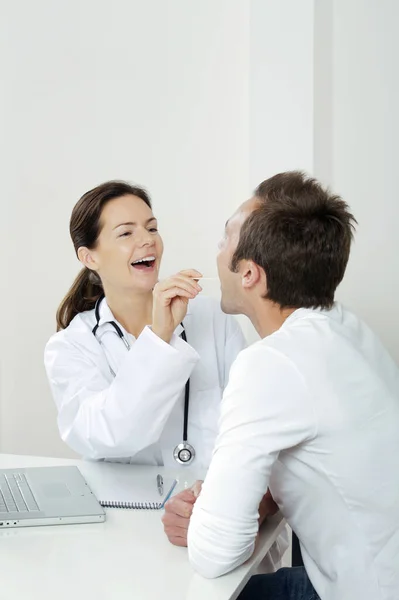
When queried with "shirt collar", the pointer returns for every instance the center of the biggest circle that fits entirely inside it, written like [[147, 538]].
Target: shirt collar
[[300, 313]]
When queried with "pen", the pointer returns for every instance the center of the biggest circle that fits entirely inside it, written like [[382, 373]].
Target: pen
[[168, 495], [160, 484]]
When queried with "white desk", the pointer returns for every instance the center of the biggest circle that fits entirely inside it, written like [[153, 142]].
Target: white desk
[[126, 558]]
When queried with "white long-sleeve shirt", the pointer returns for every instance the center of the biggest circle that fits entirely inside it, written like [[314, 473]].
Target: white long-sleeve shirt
[[311, 411]]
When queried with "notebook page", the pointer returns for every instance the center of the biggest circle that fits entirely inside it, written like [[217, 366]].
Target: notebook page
[[115, 482]]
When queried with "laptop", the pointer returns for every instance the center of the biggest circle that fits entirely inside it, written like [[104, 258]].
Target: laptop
[[46, 496]]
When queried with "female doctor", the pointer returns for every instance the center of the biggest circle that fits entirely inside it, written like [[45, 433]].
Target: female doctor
[[136, 370], [138, 367]]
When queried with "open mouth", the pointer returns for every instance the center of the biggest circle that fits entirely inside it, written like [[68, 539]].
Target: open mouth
[[144, 264]]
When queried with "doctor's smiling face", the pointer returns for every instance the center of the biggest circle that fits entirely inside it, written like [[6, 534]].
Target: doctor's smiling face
[[127, 249]]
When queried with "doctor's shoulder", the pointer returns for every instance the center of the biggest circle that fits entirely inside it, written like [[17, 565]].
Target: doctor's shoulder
[[76, 339]]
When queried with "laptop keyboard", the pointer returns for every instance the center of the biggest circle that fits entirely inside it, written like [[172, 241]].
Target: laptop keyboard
[[15, 494]]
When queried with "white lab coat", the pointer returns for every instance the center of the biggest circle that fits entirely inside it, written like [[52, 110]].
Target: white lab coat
[[137, 416]]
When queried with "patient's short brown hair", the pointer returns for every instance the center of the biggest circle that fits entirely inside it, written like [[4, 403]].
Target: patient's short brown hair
[[301, 235]]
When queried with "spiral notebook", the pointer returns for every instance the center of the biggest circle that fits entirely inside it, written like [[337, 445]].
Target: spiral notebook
[[127, 486]]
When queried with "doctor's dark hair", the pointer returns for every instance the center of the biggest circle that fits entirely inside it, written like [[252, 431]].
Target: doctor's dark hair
[[85, 227], [300, 234]]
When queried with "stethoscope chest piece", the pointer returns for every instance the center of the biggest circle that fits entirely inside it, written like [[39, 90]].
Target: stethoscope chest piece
[[184, 453]]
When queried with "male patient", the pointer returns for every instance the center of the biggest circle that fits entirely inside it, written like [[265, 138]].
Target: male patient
[[311, 411]]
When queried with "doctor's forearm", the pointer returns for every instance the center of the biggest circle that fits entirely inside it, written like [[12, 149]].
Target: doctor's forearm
[[99, 419], [103, 428]]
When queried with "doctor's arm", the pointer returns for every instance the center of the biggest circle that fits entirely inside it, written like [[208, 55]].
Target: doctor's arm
[[99, 418], [265, 409]]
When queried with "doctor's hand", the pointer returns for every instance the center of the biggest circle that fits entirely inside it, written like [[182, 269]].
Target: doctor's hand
[[178, 512], [170, 301]]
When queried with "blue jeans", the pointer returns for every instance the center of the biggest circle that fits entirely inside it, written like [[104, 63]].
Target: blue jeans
[[287, 584]]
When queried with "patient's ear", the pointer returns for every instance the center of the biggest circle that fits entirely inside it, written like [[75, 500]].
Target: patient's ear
[[251, 274]]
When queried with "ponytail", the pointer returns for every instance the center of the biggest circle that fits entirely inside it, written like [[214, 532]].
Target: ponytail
[[83, 295]]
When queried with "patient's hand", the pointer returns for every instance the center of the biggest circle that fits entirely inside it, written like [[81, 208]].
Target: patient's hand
[[267, 507], [177, 515]]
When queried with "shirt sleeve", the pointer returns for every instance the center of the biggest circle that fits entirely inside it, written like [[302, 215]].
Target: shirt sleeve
[[265, 409], [99, 419]]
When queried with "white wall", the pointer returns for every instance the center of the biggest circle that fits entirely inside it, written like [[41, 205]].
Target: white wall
[[199, 102], [281, 88], [155, 92], [281, 92], [356, 145]]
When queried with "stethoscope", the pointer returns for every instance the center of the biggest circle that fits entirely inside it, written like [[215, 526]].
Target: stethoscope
[[184, 453]]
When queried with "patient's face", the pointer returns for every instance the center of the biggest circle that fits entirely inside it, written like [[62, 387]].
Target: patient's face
[[233, 298]]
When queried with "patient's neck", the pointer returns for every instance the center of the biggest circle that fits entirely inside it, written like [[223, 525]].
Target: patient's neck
[[267, 317]]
